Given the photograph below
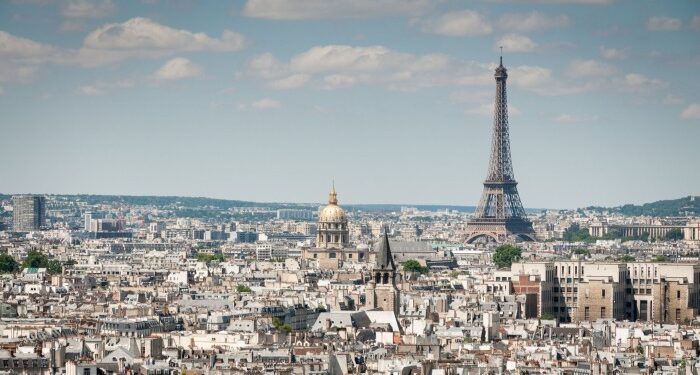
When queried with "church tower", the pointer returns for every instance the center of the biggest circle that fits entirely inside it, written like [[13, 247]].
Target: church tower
[[381, 291]]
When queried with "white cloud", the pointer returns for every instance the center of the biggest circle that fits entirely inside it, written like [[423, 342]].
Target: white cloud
[[532, 21], [138, 37], [265, 103], [692, 112], [338, 66], [671, 99], [589, 68], [614, 53], [25, 50], [316, 9], [17, 72], [178, 68], [530, 76], [335, 66], [90, 90], [695, 22], [88, 8], [515, 43], [641, 83], [102, 87], [663, 23], [566, 118], [291, 82], [458, 23], [143, 34]]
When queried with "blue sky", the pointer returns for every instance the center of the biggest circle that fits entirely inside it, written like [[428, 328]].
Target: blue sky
[[269, 100]]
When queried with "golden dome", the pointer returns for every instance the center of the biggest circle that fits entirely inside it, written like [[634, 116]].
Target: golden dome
[[332, 213]]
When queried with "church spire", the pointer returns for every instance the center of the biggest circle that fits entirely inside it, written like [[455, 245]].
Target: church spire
[[384, 258], [333, 196]]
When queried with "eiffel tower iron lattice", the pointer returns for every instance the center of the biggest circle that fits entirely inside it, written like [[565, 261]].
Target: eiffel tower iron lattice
[[500, 213]]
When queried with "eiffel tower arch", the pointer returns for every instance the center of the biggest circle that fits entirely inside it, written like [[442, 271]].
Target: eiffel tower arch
[[500, 216]]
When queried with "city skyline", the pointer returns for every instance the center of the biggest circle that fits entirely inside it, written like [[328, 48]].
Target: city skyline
[[269, 101]]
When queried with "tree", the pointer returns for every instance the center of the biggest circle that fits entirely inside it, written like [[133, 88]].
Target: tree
[[661, 258], [413, 265], [54, 267], [242, 288], [35, 259], [547, 316], [208, 258], [584, 252], [505, 255], [674, 235], [8, 264], [574, 233], [627, 258]]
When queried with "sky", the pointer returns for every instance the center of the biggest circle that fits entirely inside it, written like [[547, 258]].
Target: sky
[[271, 100]]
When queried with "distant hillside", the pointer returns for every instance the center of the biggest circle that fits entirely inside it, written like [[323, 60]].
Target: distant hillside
[[687, 206]]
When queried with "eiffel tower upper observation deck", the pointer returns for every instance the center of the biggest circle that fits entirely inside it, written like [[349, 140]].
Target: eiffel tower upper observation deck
[[500, 215]]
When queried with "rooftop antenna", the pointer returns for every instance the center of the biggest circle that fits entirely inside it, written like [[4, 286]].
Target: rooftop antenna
[[501, 47]]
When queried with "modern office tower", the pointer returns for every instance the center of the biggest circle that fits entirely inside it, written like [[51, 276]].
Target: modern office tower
[[88, 221], [500, 214], [29, 213]]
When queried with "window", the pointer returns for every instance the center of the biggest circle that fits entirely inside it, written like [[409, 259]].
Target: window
[[602, 312], [586, 313], [678, 294], [602, 293], [678, 315], [86, 371]]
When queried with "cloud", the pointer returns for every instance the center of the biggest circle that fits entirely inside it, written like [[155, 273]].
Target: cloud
[[341, 66], [691, 112], [101, 87], [589, 68], [317, 9], [178, 68], [291, 82], [566, 118], [532, 21], [23, 49], [142, 34], [88, 8], [90, 90], [695, 22], [613, 54], [515, 43], [663, 23], [641, 83], [259, 105], [458, 23], [20, 58], [335, 66], [671, 99]]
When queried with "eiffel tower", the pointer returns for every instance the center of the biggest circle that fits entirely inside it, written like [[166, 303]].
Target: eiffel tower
[[500, 215]]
